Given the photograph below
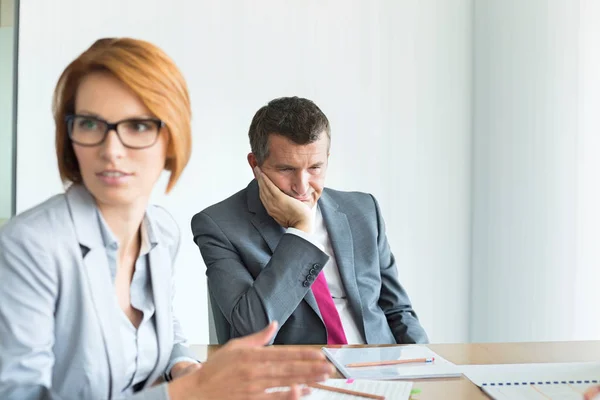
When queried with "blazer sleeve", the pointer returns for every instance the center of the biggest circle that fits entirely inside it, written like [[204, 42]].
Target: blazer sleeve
[[393, 299], [250, 303], [28, 293]]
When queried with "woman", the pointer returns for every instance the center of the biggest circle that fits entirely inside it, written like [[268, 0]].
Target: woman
[[85, 300]]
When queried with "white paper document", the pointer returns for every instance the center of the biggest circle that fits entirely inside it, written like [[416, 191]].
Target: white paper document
[[341, 357], [538, 392], [556, 381], [390, 390]]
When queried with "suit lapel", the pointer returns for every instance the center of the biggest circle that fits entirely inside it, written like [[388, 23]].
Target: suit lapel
[[85, 220], [271, 231], [340, 236], [312, 302], [160, 265]]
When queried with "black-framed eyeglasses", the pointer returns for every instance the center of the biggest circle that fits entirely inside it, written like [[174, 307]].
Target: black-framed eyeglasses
[[135, 133]]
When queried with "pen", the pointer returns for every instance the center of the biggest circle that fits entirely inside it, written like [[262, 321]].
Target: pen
[[346, 391], [391, 362]]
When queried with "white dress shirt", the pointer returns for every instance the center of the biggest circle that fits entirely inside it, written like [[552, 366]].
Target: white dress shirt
[[140, 346], [320, 238]]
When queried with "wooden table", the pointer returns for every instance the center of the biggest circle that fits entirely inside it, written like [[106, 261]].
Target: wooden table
[[483, 353]]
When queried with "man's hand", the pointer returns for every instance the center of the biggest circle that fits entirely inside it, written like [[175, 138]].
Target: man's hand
[[244, 369], [286, 210]]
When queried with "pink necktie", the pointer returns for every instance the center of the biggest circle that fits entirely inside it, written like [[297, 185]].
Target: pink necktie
[[331, 318]]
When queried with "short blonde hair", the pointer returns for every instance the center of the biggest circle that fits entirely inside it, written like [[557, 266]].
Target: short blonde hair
[[151, 75]]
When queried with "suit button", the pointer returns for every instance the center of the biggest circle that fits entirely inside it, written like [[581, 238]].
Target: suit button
[[310, 277], [316, 266], [312, 271], [305, 283]]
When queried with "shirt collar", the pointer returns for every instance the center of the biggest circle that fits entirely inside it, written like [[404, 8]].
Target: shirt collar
[[110, 241], [148, 241]]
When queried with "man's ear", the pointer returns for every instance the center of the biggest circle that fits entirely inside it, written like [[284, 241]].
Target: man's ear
[[252, 161]]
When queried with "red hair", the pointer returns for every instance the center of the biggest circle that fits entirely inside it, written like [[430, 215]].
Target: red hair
[[151, 75]]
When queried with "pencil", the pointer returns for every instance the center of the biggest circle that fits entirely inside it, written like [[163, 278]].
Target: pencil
[[346, 391], [391, 362]]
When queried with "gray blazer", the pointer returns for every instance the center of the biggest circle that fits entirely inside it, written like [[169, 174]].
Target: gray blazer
[[257, 273], [58, 334]]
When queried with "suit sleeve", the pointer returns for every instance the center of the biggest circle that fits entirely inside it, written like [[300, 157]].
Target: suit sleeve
[[247, 303], [393, 299], [28, 293]]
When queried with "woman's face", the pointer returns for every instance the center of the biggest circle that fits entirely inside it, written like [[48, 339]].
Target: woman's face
[[114, 174]]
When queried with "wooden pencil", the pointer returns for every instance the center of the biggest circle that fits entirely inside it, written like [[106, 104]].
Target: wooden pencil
[[391, 362], [346, 391]]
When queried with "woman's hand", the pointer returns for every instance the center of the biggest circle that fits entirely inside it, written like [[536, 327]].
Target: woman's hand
[[183, 368], [244, 369], [592, 393]]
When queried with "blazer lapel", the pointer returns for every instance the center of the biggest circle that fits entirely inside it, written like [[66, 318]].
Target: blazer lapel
[[271, 231], [160, 265], [85, 220], [340, 236]]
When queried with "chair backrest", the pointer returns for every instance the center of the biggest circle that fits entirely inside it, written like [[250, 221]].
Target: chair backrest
[[219, 330]]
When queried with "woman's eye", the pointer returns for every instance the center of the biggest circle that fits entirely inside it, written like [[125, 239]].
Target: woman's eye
[[141, 127], [88, 124], [138, 126]]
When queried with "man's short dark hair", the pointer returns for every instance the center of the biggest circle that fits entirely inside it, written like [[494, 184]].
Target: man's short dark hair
[[298, 119]]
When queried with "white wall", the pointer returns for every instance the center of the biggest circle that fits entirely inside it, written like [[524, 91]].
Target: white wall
[[393, 77], [536, 222], [6, 120], [587, 273]]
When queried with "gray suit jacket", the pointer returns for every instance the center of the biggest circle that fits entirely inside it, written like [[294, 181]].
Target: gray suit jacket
[[257, 273], [58, 335]]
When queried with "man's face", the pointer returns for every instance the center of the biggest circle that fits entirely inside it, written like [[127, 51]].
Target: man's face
[[298, 170]]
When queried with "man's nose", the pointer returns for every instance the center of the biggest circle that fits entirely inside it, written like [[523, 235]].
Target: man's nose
[[301, 182]]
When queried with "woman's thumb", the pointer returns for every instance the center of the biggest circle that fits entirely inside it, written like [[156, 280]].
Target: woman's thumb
[[260, 338]]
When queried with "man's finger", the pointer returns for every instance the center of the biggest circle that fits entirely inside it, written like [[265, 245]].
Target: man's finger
[[265, 190], [268, 183], [262, 196], [260, 178]]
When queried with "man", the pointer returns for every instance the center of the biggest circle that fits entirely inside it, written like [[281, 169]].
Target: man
[[286, 249]]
